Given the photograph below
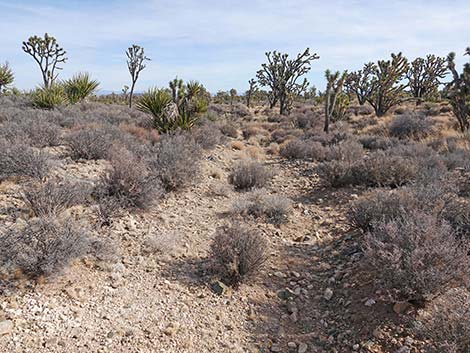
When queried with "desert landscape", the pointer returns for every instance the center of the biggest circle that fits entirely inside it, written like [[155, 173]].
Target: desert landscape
[[284, 218]]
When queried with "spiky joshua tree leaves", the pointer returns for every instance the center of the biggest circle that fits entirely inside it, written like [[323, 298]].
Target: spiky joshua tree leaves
[[6, 75], [135, 63], [334, 88], [458, 92], [281, 74], [424, 77], [48, 55]]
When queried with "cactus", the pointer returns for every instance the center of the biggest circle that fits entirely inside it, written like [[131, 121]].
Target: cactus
[[458, 92], [48, 55], [6, 76], [135, 63], [280, 74], [334, 88], [424, 77]]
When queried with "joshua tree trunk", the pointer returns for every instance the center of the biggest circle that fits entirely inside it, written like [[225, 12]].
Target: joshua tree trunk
[[131, 94]]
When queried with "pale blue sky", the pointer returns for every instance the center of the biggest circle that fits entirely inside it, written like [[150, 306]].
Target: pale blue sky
[[222, 43]]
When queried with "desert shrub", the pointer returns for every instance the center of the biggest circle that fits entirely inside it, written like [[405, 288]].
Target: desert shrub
[[381, 206], [48, 98], [142, 134], [229, 129], [247, 175], [238, 253], [374, 142], [207, 136], [457, 212], [130, 182], [303, 149], [409, 126], [274, 209], [35, 131], [22, 160], [53, 197], [381, 169], [79, 87], [457, 159], [175, 160], [416, 257], [90, 142], [282, 135], [345, 151], [335, 173], [42, 247], [240, 110], [445, 323], [250, 131]]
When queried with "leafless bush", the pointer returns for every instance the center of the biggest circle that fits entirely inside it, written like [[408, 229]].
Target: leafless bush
[[282, 135], [374, 142], [303, 149], [238, 253], [457, 212], [416, 257], [89, 142], [381, 206], [445, 323], [247, 175], [346, 151], [457, 159], [22, 160], [207, 136], [175, 161], [228, 129], [409, 126], [36, 131], [43, 247], [273, 208], [53, 197], [130, 182]]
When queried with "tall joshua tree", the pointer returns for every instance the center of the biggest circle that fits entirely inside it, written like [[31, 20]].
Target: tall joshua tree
[[233, 95], [458, 92], [48, 55], [386, 88], [334, 88], [424, 76], [358, 82], [135, 63], [6, 75], [251, 90], [280, 74]]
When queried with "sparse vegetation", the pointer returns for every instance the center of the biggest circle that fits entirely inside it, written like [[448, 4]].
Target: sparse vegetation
[[248, 175]]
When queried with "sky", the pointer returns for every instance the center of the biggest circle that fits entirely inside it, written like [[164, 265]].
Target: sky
[[223, 43]]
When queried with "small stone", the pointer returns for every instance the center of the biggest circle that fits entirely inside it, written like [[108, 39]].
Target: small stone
[[292, 308], [276, 348], [220, 288], [292, 345], [401, 307], [404, 349], [409, 341], [171, 329], [5, 327], [355, 347], [302, 348], [279, 274], [285, 294], [369, 302], [328, 294]]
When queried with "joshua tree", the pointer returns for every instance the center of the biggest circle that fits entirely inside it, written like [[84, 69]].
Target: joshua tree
[[423, 76], [458, 92], [334, 88], [6, 75], [135, 63], [280, 74], [177, 89], [233, 95], [48, 54], [193, 89], [358, 82], [386, 89], [249, 94]]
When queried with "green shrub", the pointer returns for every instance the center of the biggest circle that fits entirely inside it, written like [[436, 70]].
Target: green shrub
[[48, 98], [79, 87]]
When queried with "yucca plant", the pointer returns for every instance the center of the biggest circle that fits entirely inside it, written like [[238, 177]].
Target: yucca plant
[[193, 89], [6, 75], [154, 102], [79, 87], [48, 98]]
